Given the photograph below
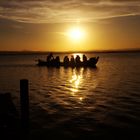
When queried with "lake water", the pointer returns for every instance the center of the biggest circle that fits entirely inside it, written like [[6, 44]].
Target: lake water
[[87, 102]]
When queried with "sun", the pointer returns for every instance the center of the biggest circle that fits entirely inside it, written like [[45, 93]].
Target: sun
[[75, 34]]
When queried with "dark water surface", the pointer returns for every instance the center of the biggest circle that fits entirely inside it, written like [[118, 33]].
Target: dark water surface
[[86, 102]]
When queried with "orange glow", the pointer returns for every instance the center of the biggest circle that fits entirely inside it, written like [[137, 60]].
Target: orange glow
[[76, 34], [68, 37]]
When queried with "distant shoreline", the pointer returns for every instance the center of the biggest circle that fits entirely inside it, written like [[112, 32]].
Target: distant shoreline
[[67, 52]]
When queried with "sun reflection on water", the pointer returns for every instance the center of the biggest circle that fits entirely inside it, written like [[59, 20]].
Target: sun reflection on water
[[76, 82], [76, 79]]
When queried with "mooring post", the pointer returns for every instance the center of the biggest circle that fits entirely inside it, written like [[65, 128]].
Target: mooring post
[[24, 105]]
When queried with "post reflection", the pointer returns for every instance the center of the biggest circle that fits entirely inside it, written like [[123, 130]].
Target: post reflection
[[76, 82]]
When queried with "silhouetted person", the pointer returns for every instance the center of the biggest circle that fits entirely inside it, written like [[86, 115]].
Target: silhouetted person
[[50, 57], [57, 59], [77, 59], [66, 61], [84, 58], [72, 61]]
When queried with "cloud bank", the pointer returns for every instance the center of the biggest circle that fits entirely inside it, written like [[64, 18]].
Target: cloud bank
[[59, 11]]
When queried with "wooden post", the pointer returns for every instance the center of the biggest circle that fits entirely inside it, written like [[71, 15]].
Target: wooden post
[[24, 105]]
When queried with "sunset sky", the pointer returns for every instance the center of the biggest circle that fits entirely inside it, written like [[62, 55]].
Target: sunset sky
[[45, 25]]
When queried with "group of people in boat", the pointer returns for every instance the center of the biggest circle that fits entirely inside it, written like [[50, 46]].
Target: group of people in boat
[[76, 60], [69, 62]]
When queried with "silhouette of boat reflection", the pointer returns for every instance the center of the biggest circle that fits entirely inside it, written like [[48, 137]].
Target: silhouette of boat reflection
[[53, 63]]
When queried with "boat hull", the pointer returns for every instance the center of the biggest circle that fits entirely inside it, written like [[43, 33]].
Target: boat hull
[[90, 63]]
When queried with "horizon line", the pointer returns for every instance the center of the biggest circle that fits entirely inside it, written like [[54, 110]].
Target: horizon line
[[91, 51]]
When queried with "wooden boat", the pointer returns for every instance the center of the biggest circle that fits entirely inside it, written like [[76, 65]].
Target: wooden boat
[[53, 63]]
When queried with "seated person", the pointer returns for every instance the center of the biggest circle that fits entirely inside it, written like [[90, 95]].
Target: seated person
[[77, 59], [72, 61], [66, 60], [84, 58], [50, 57], [57, 59]]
